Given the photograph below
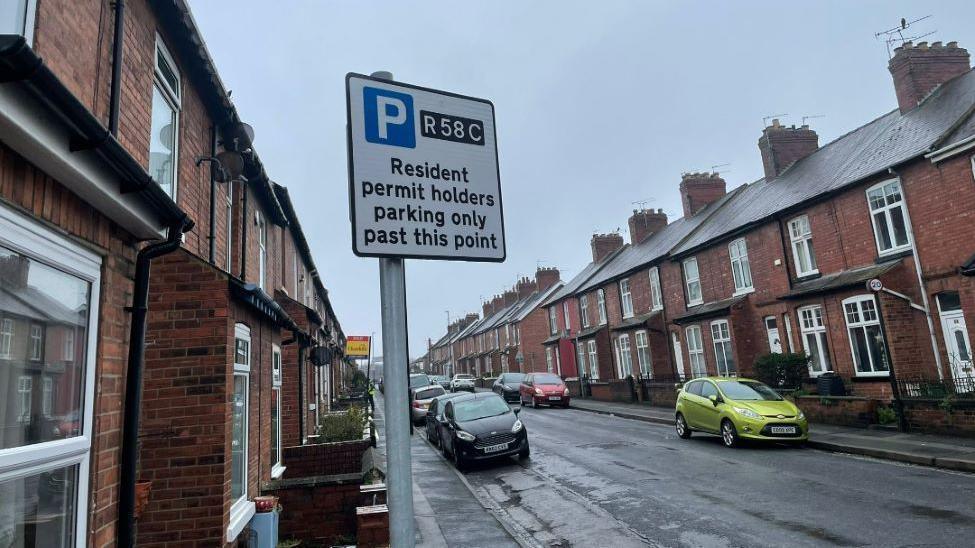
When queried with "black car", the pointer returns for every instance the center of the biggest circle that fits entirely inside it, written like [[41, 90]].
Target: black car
[[507, 385], [435, 414], [481, 426]]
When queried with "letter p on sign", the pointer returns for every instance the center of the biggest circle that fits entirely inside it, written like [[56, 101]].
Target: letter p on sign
[[389, 117]]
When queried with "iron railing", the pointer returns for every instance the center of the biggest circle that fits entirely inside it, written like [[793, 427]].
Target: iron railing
[[924, 388]]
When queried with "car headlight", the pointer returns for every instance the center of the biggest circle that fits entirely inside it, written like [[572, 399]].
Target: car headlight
[[465, 436], [517, 426], [745, 412], [538, 392], [800, 416], [565, 392]]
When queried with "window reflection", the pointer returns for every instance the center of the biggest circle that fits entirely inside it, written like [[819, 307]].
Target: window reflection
[[39, 511]]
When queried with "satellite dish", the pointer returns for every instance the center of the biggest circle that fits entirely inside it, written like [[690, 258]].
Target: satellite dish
[[232, 163]]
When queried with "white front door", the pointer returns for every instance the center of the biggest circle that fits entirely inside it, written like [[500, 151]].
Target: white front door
[[955, 331], [678, 356], [772, 328]]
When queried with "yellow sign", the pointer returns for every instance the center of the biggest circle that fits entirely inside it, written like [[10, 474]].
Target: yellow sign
[[357, 346]]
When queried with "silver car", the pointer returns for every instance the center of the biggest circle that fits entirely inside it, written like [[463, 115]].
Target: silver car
[[421, 401], [462, 382]]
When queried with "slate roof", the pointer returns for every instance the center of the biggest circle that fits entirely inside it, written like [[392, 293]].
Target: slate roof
[[582, 277], [839, 280], [635, 321], [589, 332], [532, 302], [868, 150], [706, 310]]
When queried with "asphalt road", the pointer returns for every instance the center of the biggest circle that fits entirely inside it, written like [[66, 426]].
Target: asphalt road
[[597, 480]]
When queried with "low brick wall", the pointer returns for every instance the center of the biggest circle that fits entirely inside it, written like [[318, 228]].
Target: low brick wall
[[324, 459], [614, 390], [575, 389], [660, 394], [929, 417], [317, 510], [839, 410]]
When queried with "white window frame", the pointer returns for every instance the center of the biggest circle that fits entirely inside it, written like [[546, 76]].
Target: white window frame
[[626, 298], [741, 270], [690, 282], [624, 359], [553, 323], [565, 316], [68, 345], [277, 468], [863, 324], [788, 331], [28, 238], [6, 337], [549, 360], [816, 326], [656, 296], [678, 354], [581, 356], [26, 28], [695, 351], [593, 359], [725, 359], [242, 510], [47, 396], [25, 397], [584, 311], [172, 96], [262, 248], [643, 357], [886, 210], [800, 235], [229, 204], [36, 350], [601, 305]]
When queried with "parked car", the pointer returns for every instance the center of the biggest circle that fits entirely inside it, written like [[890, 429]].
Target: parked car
[[738, 409], [547, 388], [462, 382], [420, 399], [481, 426], [442, 380], [508, 385], [419, 379], [435, 414]]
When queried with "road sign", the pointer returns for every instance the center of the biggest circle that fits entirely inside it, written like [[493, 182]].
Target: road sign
[[423, 173], [875, 284]]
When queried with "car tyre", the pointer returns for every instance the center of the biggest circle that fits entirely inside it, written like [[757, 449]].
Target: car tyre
[[680, 424], [525, 453], [534, 403], [459, 461], [729, 434]]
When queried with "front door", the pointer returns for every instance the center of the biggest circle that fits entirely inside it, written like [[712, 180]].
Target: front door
[[772, 328], [678, 356], [956, 337]]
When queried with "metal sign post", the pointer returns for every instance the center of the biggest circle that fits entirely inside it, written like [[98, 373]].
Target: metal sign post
[[424, 184]]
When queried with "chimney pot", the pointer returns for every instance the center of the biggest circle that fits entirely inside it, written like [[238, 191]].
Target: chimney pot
[[783, 146], [697, 190], [922, 45], [604, 245], [952, 44], [935, 44], [645, 222], [917, 71]]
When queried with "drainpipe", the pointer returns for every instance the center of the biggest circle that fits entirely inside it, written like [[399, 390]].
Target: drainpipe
[[133, 380], [116, 87], [243, 233], [303, 342], [213, 199]]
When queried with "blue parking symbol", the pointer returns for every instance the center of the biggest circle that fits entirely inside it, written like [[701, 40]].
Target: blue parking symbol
[[389, 117]]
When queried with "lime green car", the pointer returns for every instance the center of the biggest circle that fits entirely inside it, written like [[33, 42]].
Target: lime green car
[[738, 409]]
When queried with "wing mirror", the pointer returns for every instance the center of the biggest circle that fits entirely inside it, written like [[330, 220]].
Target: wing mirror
[[715, 400], [516, 409]]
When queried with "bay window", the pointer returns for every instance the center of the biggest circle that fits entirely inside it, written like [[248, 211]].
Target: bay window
[[692, 281], [723, 354], [601, 305], [656, 297], [643, 355], [695, 351], [241, 510], [626, 300], [740, 269], [164, 121], [866, 337], [813, 331], [800, 233], [889, 217]]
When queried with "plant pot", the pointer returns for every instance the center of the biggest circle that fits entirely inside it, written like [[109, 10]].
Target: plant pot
[[142, 489]]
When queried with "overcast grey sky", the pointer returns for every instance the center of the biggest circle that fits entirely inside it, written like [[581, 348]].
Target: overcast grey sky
[[599, 104]]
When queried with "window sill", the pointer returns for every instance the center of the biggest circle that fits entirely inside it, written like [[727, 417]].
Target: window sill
[[806, 276], [277, 471], [867, 377], [741, 292], [893, 254], [695, 303], [240, 514]]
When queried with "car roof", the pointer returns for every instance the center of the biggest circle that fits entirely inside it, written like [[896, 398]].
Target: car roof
[[449, 396], [724, 379], [476, 396]]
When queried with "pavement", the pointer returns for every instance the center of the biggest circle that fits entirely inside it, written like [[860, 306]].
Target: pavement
[[951, 453]]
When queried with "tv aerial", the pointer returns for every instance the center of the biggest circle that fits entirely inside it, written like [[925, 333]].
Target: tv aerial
[[901, 33]]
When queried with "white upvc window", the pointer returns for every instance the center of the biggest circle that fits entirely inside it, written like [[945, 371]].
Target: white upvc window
[[888, 214], [553, 324], [36, 342], [724, 355], [229, 207], [593, 361], [678, 356], [866, 337], [584, 311], [549, 364], [813, 331], [624, 358], [277, 469], [241, 509], [164, 123], [581, 366], [45, 471], [17, 17], [656, 297], [740, 269], [692, 281], [800, 233], [626, 299], [643, 355], [262, 249], [68, 350], [565, 316], [601, 305], [695, 351]]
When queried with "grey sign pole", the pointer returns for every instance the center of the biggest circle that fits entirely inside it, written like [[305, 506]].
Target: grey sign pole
[[399, 480]]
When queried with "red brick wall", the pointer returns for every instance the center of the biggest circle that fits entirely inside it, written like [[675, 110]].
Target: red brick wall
[[325, 459], [320, 513], [534, 330]]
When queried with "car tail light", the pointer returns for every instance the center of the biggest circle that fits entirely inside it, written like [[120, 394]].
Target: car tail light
[[416, 404]]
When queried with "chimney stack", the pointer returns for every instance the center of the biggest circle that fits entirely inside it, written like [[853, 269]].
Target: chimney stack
[[525, 287], [603, 245], [645, 222], [546, 278], [510, 297], [917, 70], [783, 146], [487, 308], [497, 303], [697, 190]]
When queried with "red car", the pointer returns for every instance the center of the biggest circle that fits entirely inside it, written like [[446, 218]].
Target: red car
[[547, 388]]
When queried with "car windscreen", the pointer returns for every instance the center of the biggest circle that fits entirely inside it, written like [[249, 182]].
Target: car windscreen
[[745, 390], [480, 408], [419, 380], [427, 393], [512, 378], [547, 378]]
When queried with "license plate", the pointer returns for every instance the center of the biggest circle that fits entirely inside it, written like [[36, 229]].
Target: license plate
[[783, 429], [555, 398], [496, 448]]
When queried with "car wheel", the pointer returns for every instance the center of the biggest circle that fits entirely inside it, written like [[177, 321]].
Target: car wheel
[[524, 453], [534, 403], [459, 461], [680, 425], [729, 434]]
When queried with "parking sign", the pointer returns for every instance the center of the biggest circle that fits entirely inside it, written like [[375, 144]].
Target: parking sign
[[423, 173]]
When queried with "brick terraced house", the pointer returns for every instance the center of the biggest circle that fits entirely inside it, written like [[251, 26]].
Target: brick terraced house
[[119, 147]]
